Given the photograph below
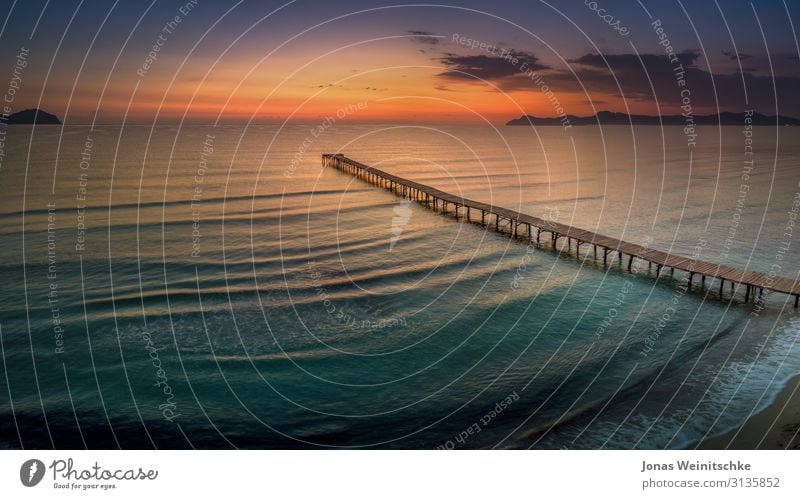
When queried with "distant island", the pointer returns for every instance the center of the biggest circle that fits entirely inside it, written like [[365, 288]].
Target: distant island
[[611, 118], [31, 117]]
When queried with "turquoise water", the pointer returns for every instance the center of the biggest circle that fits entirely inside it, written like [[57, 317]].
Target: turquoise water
[[217, 288]]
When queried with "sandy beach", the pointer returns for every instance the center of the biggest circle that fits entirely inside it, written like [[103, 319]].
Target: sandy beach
[[776, 427]]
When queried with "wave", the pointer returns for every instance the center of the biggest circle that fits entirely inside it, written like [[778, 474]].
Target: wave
[[633, 392], [277, 356], [189, 202]]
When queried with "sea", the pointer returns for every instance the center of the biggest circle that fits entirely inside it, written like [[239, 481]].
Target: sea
[[214, 286]]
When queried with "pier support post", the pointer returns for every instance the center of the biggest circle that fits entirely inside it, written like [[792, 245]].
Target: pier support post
[[605, 256], [691, 276], [630, 262], [721, 283], [747, 293]]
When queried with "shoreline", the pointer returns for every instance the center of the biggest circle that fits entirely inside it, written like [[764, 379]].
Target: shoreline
[[777, 427]]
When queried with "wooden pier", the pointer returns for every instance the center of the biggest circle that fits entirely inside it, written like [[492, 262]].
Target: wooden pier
[[520, 225]]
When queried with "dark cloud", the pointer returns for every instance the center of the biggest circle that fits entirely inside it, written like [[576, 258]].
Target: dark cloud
[[489, 67], [736, 57], [642, 78], [424, 37], [627, 62], [653, 78], [630, 76]]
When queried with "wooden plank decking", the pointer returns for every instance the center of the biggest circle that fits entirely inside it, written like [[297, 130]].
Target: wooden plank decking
[[522, 225]]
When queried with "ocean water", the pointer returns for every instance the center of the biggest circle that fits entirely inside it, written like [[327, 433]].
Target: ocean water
[[215, 287]]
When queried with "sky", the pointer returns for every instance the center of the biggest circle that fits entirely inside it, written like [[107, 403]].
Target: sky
[[224, 61]]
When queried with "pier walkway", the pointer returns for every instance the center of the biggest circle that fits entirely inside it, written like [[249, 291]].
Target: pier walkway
[[519, 225]]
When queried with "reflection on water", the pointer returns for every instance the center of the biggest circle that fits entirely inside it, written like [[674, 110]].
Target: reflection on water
[[216, 287]]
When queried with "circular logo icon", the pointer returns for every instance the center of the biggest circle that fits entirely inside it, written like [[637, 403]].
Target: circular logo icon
[[31, 472]]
